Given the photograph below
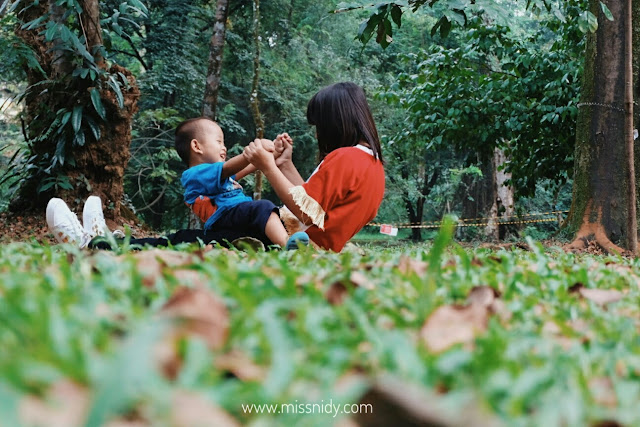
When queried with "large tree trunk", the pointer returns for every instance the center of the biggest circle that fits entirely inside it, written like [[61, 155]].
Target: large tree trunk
[[96, 166], [632, 221], [599, 207], [216, 46], [636, 89]]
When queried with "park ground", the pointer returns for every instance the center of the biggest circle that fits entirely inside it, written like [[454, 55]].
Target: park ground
[[519, 334]]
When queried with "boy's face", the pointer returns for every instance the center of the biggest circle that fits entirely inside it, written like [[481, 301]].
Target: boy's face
[[211, 143]]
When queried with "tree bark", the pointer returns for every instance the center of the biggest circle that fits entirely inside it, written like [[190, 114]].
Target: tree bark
[[502, 198], [632, 223], [599, 208], [216, 47], [254, 99]]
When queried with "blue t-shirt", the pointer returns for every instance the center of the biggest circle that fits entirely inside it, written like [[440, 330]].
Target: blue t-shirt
[[204, 180]]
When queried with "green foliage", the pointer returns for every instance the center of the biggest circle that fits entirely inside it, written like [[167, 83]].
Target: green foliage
[[152, 180], [490, 90], [15, 56], [557, 359], [383, 15]]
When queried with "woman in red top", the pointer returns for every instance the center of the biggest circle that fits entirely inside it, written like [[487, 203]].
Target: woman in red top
[[344, 192]]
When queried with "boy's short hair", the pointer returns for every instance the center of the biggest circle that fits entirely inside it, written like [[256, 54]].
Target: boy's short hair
[[185, 132]]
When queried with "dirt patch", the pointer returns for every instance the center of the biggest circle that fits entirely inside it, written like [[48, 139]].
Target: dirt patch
[[23, 228]]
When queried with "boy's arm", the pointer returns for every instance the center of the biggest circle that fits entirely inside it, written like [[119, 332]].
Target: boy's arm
[[248, 168], [246, 171], [237, 165], [233, 166]]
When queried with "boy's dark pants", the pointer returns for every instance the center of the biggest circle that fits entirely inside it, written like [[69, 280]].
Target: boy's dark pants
[[246, 219]]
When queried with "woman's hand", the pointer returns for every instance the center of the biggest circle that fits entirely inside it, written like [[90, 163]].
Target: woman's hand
[[283, 149], [257, 153]]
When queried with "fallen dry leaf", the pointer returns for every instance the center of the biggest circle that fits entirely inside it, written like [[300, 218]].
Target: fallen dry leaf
[[455, 324], [450, 324], [201, 313], [552, 330], [599, 296], [240, 366], [194, 410], [408, 265], [151, 264], [308, 279], [482, 295], [338, 291], [603, 391], [196, 312], [360, 280], [65, 404]]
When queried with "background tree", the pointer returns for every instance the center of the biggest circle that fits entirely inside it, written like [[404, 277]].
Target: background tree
[[79, 105], [600, 193], [216, 47]]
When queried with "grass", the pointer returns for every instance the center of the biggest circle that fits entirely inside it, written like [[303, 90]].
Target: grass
[[556, 359]]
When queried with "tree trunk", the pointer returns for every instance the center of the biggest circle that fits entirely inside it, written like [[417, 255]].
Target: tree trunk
[[599, 207], [216, 46], [632, 223], [96, 166], [503, 197], [254, 100], [636, 87]]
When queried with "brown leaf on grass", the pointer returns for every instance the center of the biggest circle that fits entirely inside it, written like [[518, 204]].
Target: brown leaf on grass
[[552, 330], [338, 291], [625, 271], [603, 392], [360, 280], [482, 295], [408, 265], [201, 313], [65, 404], [489, 297], [151, 264], [196, 312], [599, 296], [238, 364], [308, 279], [453, 324], [191, 409]]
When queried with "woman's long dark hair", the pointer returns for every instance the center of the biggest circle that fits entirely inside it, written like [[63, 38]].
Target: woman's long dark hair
[[342, 118]]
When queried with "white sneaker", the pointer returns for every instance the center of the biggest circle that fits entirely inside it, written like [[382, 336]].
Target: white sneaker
[[64, 224], [93, 218]]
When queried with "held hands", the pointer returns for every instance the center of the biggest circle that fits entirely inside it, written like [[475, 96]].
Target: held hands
[[283, 145], [260, 153]]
